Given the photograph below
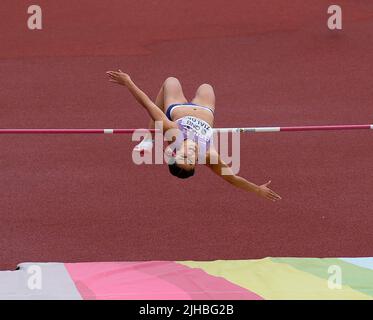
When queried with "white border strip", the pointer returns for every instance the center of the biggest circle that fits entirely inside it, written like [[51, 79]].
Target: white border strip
[[267, 129], [109, 131]]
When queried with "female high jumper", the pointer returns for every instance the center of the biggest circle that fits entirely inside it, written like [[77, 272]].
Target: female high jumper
[[175, 112]]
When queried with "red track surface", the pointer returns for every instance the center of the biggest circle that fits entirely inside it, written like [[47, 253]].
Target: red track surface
[[80, 198]]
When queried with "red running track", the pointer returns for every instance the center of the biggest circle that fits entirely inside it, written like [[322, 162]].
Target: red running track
[[80, 198]]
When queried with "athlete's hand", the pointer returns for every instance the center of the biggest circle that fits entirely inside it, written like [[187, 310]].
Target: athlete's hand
[[119, 77], [265, 192]]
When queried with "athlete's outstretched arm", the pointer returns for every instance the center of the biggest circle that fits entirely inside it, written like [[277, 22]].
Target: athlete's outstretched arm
[[239, 182], [155, 113]]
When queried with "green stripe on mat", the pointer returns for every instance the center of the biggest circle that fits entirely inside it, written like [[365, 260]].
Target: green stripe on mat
[[357, 278]]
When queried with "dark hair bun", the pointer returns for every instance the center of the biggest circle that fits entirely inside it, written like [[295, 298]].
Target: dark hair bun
[[180, 172]]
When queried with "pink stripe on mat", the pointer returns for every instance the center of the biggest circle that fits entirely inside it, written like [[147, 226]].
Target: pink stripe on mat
[[160, 280]]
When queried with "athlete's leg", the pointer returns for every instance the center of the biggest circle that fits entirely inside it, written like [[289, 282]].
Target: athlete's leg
[[173, 92], [205, 96], [170, 92]]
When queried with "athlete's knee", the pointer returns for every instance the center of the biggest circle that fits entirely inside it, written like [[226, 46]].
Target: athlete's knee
[[206, 87], [205, 90], [172, 80]]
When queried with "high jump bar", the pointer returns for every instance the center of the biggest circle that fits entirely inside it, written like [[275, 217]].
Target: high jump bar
[[238, 130]]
